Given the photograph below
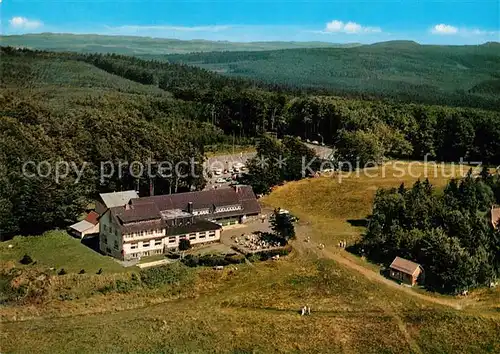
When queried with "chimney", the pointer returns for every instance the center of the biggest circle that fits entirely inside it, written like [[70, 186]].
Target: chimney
[[190, 207]]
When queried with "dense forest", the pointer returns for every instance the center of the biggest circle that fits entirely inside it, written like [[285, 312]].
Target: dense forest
[[450, 234], [405, 71], [94, 108]]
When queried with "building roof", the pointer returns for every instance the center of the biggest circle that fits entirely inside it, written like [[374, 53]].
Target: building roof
[[115, 199], [158, 212], [404, 265], [137, 213], [82, 226], [495, 216], [243, 195], [92, 218]]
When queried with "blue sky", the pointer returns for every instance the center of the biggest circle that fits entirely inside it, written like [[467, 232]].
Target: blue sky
[[340, 21]]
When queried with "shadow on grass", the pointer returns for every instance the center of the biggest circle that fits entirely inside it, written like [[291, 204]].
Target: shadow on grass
[[92, 242], [359, 222]]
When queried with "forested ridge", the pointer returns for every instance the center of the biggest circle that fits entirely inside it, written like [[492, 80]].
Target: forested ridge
[[404, 71], [94, 108], [449, 234]]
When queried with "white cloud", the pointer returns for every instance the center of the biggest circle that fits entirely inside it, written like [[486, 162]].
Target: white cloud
[[23, 23], [444, 29], [138, 28], [350, 27]]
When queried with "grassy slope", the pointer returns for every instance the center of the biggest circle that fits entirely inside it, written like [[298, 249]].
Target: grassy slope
[[255, 308], [130, 45], [58, 250], [67, 75]]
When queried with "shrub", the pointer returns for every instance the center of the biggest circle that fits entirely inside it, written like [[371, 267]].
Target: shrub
[[81, 271], [212, 260], [26, 260], [235, 258], [170, 274], [106, 288], [282, 251], [62, 272], [184, 244], [123, 286], [191, 260]]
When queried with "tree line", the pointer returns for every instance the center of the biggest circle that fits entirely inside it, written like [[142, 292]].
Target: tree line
[[450, 233], [93, 108]]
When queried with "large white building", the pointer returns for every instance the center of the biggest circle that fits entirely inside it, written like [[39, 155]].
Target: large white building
[[153, 225]]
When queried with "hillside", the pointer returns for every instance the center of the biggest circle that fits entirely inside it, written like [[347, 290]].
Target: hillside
[[95, 108], [403, 70], [111, 108], [130, 45]]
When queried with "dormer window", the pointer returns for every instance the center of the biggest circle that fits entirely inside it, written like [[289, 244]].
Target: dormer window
[[224, 209]]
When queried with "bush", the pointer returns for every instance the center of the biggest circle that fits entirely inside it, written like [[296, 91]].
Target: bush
[[235, 258], [123, 286], [26, 260], [170, 274], [62, 272], [191, 260], [81, 271], [282, 251], [184, 244], [212, 260]]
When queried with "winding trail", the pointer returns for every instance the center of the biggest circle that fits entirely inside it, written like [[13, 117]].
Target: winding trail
[[340, 257]]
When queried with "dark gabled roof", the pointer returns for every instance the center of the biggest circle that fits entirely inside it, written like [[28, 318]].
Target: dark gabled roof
[[248, 200], [136, 213], [197, 226], [404, 265], [200, 199], [240, 195]]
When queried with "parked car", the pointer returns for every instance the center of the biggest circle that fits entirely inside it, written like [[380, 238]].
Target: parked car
[[217, 172], [220, 180]]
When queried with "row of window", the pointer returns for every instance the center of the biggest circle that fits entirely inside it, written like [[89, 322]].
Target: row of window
[[144, 233], [146, 244], [171, 240], [145, 254], [227, 208], [201, 212]]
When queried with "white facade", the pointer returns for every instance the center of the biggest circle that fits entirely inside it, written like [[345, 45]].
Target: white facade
[[157, 243], [144, 243], [110, 237]]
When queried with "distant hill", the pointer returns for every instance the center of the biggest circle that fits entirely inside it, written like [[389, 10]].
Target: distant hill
[[400, 70], [130, 45], [405, 70]]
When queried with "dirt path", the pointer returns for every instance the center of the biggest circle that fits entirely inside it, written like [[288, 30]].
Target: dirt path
[[342, 258]]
